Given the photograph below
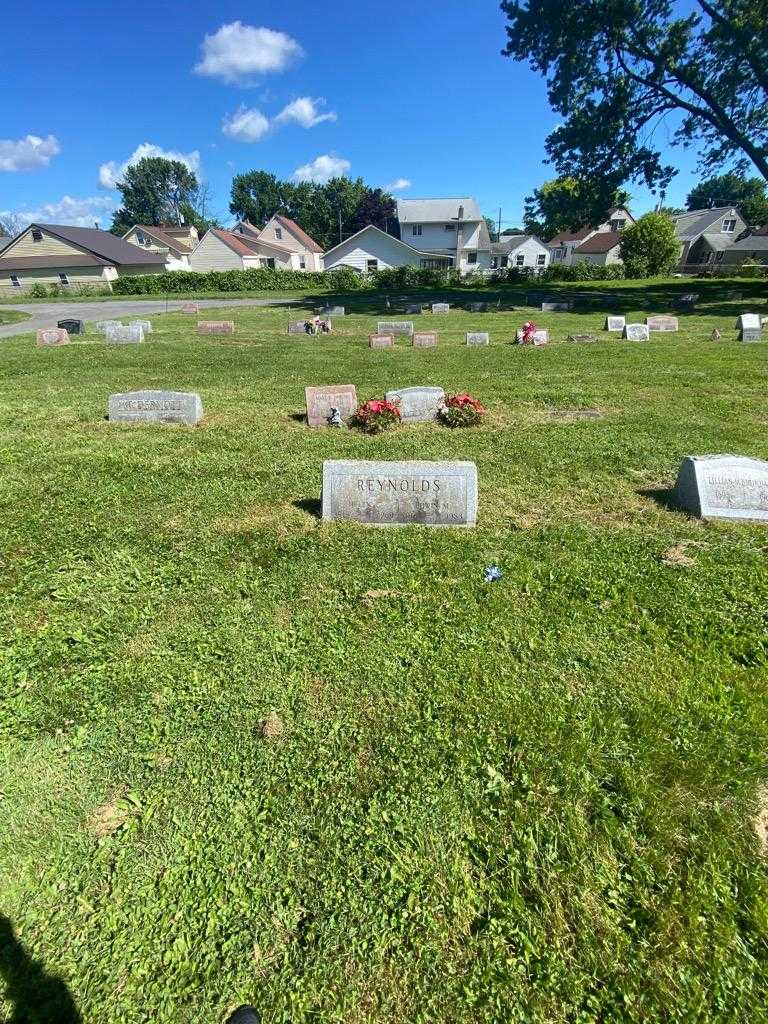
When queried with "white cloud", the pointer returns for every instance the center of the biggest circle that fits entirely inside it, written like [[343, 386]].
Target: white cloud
[[28, 153], [111, 172], [322, 169], [236, 52], [304, 111], [398, 185], [68, 210], [246, 125]]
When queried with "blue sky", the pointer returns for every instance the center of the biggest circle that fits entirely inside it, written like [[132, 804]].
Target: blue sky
[[403, 92]]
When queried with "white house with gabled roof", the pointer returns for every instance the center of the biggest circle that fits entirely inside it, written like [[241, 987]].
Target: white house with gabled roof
[[372, 249], [447, 227]]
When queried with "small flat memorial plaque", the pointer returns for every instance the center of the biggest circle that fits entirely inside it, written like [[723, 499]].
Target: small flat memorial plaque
[[441, 307], [424, 339], [582, 337], [215, 327], [662, 323], [556, 307], [417, 404], [400, 493], [381, 341], [184, 407], [394, 327], [636, 332], [72, 326], [615, 323], [478, 338], [320, 401], [478, 307], [723, 487], [50, 336], [120, 335]]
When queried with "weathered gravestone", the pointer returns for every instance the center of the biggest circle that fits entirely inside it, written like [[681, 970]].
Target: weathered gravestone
[[328, 311], [102, 326], [190, 307], [413, 307], [145, 325], [582, 337], [417, 404], [119, 335], [615, 323], [556, 307], [297, 327], [72, 326], [424, 339], [52, 336], [478, 338], [749, 327], [400, 493], [380, 341], [540, 336], [661, 323], [156, 407], [394, 327], [478, 307], [636, 332], [320, 401], [441, 307], [723, 487], [215, 327], [688, 300]]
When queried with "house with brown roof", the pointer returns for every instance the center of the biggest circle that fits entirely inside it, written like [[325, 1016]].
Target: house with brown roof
[[281, 244], [602, 248], [176, 242], [71, 258], [565, 244]]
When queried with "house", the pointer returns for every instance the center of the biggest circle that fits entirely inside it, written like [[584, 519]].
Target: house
[[280, 244], [373, 249], [519, 251], [447, 227], [602, 248], [58, 254], [174, 241], [705, 236], [565, 243], [753, 246]]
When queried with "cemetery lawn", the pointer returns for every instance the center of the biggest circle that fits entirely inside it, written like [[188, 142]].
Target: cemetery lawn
[[537, 800], [12, 316]]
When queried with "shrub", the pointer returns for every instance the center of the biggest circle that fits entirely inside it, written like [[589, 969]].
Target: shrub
[[38, 290], [461, 411], [253, 279], [650, 246], [583, 272], [751, 268], [376, 415]]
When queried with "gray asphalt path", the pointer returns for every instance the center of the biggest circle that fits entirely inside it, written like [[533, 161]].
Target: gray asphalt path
[[45, 314]]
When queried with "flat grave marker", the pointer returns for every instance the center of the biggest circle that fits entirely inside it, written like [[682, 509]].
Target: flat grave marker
[[478, 338], [615, 323], [478, 307], [72, 326], [582, 337], [662, 323], [400, 493], [417, 404], [184, 407], [441, 307], [120, 335], [394, 327], [424, 339], [381, 341], [321, 400], [636, 332], [556, 307], [723, 487], [215, 327], [51, 336]]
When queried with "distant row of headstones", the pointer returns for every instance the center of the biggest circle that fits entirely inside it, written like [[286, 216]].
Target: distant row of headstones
[[117, 333]]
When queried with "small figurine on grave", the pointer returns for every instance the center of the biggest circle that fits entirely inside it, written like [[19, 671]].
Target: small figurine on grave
[[716, 335], [334, 419], [309, 327]]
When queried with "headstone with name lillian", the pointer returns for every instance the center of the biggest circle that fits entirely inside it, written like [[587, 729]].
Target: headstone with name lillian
[[400, 493], [50, 336], [394, 327], [380, 341], [636, 332], [424, 339], [662, 323], [215, 327], [417, 404], [72, 326], [478, 338], [184, 407], [615, 323], [441, 307], [723, 487], [321, 400], [120, 335]]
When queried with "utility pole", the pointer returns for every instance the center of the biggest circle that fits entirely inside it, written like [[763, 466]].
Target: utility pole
[[340, 238], [498, 233]]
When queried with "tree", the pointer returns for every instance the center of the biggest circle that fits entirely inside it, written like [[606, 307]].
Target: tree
[[650, 246], [493, 228], [615, 68], [567, 204], [257, 196], [749, 194], [11, 225], [155, 191]]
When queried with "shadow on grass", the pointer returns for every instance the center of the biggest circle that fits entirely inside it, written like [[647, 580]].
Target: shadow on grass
[[665, 497], [298, 417], [36, 996], [311, 505]]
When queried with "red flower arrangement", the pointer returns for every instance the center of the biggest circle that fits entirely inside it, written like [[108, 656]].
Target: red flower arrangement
[[376, 415], [461, 411], [528, 332]]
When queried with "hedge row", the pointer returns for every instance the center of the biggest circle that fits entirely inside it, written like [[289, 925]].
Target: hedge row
[[190, 281]]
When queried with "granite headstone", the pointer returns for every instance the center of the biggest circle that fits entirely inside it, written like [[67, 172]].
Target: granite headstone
[[441, 307], [50, 336], [215, 327], [380, 341], [424, 339], [184, 407], [478, 338], [72, 326], [120, 335], [320, 401], [145, 325], [417, 404], [636, 332], [723, 487], [394, 327], [615, 323], [662, 323]]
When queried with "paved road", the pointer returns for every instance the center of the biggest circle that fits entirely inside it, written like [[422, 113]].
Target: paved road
[[45, 314]]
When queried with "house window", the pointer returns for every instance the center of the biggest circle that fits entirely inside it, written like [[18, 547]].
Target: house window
[[559, 254], [371, 265], [505, 261], [278, 232], [519, 261], [15, 282], [719, 257], [302, 263], [729, 225], [63, 279], [141, 238], [618, 225], [433, 264], [541, 259], [268, 262], [417, 229], [471, 257], [37, 236]]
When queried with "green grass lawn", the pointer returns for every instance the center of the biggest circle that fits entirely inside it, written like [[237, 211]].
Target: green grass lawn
[[531, 801], [12, 316]]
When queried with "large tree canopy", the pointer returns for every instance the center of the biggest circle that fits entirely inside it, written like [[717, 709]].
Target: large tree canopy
[[566, 204], [156, 191], [615, 67], [328, 212], [749, 194]]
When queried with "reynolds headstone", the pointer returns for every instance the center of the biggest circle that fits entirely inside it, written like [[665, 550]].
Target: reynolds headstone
[[417, 404], [615, 323], [119, 335], [636, 332], [50, 336], [215, 327], [661, 323], [320, 402], [441, 307], [72, 326], [381, 341], [424, 339], [400, 493], [723, 487], [184, 407], [394, 327], [478, 338]]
